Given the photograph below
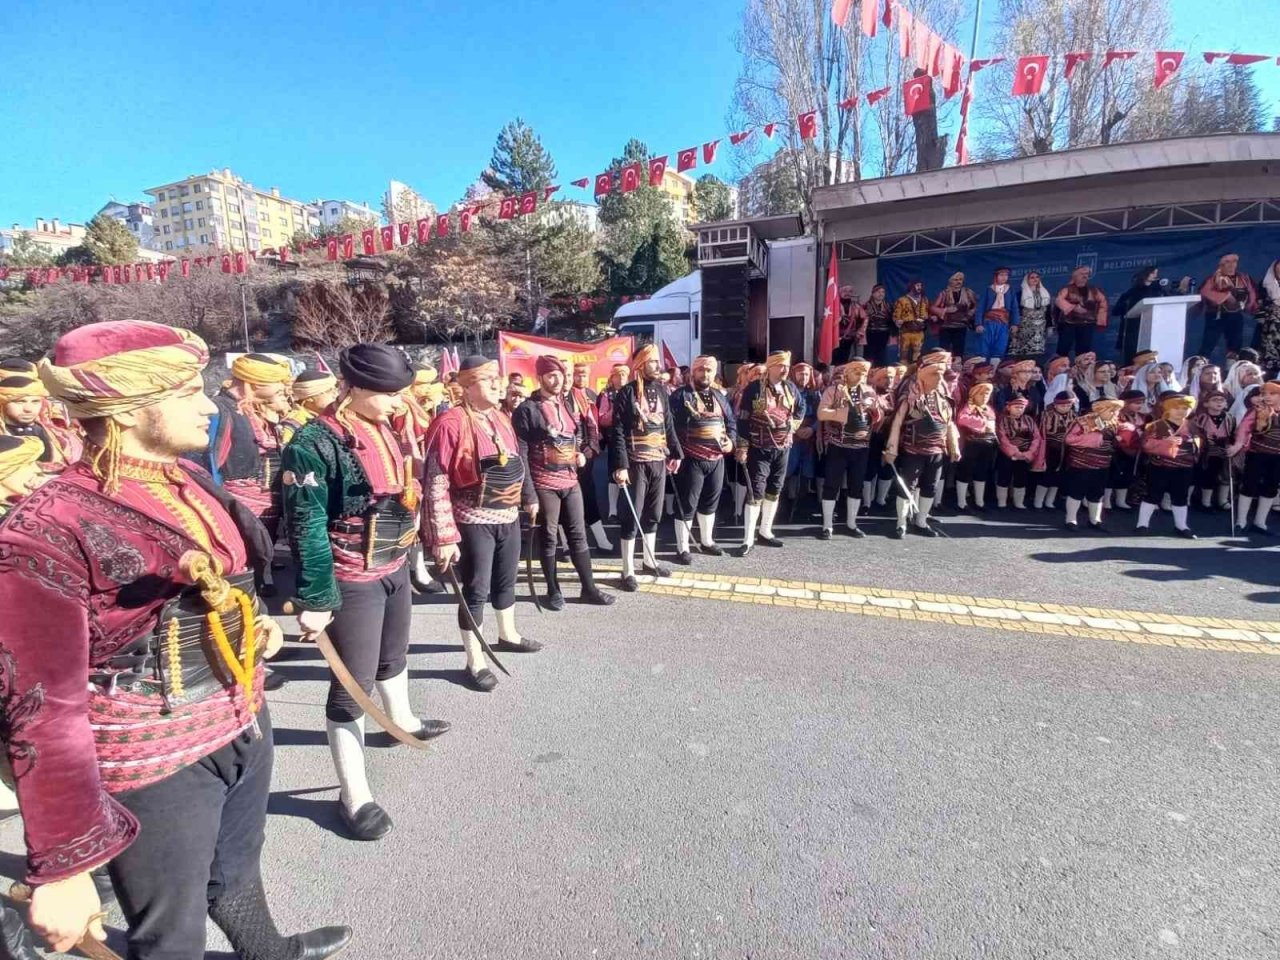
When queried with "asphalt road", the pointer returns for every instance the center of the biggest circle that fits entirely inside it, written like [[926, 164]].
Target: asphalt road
[[678, 778]]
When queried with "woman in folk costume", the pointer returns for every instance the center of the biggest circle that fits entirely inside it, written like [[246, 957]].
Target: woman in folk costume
[[1093, 381], [880, 326], [1268, 317], [1189, 376], [1226, 296], [1021, 448], [954, 309], [922, 436], [976, 421], [24, 412], [849, 412], [1056, 420], [20, 471], [1027, 338], [1092, 442], [998, 312], [1151, 380], [884, 381], [1241, 375], [1171, 447], [1057, 376], [853, 326], [1258, 438], [1218, 428]]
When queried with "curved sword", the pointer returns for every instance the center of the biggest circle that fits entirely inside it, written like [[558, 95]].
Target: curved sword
[[528, 569], [471, 621]]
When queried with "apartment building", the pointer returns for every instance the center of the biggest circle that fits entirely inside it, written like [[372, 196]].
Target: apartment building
[[138, 217], [52, 236], [331, 212], [221, 210]]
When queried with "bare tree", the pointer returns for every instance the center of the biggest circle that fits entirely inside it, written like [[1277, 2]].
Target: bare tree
[[338, 315], [1097, 105]]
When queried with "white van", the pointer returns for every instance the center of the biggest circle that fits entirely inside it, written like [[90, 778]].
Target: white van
[[672, 316]]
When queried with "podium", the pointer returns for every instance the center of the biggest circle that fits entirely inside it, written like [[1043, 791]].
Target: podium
[[1163, 326]]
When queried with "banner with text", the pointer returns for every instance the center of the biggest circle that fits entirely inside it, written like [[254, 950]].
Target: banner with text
[[518, 353]]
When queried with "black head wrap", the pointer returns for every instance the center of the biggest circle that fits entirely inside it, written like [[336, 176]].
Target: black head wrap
[[375, 366]]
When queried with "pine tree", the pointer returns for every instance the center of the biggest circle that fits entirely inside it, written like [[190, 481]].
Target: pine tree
[[108, 240], [642, 241], [712, 199], [520, 162]]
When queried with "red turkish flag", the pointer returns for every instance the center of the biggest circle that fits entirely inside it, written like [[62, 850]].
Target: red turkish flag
[[348, 246], [840, 11], [442, 225], [737, 138], [165, 266], [1073, 62], [151, 271], [242, 264], [604, 183], [423, 227], [829, 333], [388, 238], [869, 17], [936, 48], [977, 65], [906, 23], [630, 177], [507, 209], [117, 274], [4, 273], [1111, 56], [548, 191], [917, 95], [887, 19], [406, 231], [284, 254], [331, 249], [687, 159], [369, 241], [848, 104], [709, 152], [657, 171], [952, 67], [464, 219], [920, 33], [226, 263], [581, 184], [1237, 59], [528, 203], [875, 96], [808, 124], [1167, 64], [768, 130], [1028, 76], [186, 267]]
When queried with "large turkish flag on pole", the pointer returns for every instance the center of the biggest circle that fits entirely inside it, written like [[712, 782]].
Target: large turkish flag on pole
[[829, 335]]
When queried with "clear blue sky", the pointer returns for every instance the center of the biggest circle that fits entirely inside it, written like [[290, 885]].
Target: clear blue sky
[[332, 99]]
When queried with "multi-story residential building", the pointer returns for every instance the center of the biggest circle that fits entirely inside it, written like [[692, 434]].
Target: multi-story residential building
[[137, 217], [769, 187], [220, 210], [585, 214], [402, 204], [52, 236], [678, 188], [329, 212]]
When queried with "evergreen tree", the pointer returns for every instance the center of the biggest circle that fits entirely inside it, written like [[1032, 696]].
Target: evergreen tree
[[712, 198], [25, 252], [108, 240], [642, 242], [520, 162]]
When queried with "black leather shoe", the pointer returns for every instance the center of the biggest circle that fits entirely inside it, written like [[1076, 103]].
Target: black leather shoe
[[899, 533], [273, 681], [923, 531], [524, 646], [1187, 533], [824, 533], [629, 584], [596, 596], [319, 944], [768, 541], [711, 551], [482, 680], [432, 729], [854, 532], [658, 571], [553, 601], [1071, 526], [370, 822], [744, 550], [427, 586], [1099, 527], [684, 558]]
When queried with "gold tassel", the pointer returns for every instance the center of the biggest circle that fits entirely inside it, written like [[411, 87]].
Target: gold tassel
[[108, 473]]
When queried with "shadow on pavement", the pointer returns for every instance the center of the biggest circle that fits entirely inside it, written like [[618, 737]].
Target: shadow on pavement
[[291, 803], [1163, 565]]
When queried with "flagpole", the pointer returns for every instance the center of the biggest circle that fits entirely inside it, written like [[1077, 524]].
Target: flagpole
[[977, 22]]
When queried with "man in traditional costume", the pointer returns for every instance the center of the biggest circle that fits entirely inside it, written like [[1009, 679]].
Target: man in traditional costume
[[351, 502], [474, 491], [853, 326], [1124, 461], [131, 650], [605, 403], [1218, 428], [998, 310], [707, 430], [1227, 295], [769, 413], [879, 326], [1056, 420], [24, 412], [1024, 380], [875, 489], [583, 399], [923, 434], [643, 447], [911, 314], [1091, 442], [955, 309], [849, 412], [1081, 310], [979, 445], [802, 463], [1021, 448], [553, 438], [312, 393], [1258, 438], [1171, 446], [20, 471]]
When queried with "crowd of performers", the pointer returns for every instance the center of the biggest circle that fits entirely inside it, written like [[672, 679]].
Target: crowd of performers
[[141, 519]]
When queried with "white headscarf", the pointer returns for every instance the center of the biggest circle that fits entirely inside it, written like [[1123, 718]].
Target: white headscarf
[[1191, 368], [1029, 296], [1152, 394], [1231, 383], [1058, 384], [1241, 407], [1271, 283]]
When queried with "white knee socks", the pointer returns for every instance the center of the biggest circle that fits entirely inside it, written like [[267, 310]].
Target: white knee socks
[[851, 508], [962, 494], [1002, 496], [1179, 518], [980, 493], [613, 500], [768, 510], [1264, 507], [346, 746], [507, 625], [394, 693], [1095, 512], [1073, 510], [628, 548], [828, 514], [752, 517], [683, 528], [707, 529], [1145, 512], [922, 515], [1019, 498], [650, 541]]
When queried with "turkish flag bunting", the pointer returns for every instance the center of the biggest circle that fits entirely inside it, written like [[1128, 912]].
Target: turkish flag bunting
[[657, 171], [709, 152], [242, 263], [151, 271], [977, 65], [528, 203], [920, 34], [875, 96], [1167, 64], [917, 95], [284, 254], [737, 138], [369, 241], [1111, 56], [952, 67], [348, 246], [115, 274], [887, 19], [687, 159], [388, 238], [630, 177], [840, 11], [808, 124], [604, 183], [936, 47], [331, 248], [464, 220], [906, 24], [126, 273], [186, 267], [582, 184], [507, 209], [1073, 62], [768, 130], [55, 274], [1237, 59], [442, 225], [406, 231], [1028, 78], [848, 104], [4, 273], [548, 191], [164, 267], [226, 263], [869, 17], [423, 227]]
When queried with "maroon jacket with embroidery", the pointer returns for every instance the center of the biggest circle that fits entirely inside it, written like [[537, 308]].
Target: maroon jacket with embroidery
[[82, 576]]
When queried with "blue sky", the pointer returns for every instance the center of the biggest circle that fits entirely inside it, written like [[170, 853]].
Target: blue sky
[[332, 99]]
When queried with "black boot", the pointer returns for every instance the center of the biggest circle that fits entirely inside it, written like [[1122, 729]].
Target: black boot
[[590, 592], [244, 917], [554, 600]]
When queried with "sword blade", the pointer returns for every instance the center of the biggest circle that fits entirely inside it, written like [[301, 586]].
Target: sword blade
[[644, 546], [904, 489], [471, 621], [528, 571]]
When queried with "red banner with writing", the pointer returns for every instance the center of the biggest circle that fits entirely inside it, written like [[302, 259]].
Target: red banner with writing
[[519, 352]]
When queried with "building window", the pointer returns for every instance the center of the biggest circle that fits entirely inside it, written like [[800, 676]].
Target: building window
[[175, 211], [213, 188], [183, 191], [168, 244], [204, 238], [200, 222], [233, 207], [186, 207], [198, 188], [284, 221], [160, 195], [187, 223], [235, 228], [166, 229], [164, 214], [199, 204]]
